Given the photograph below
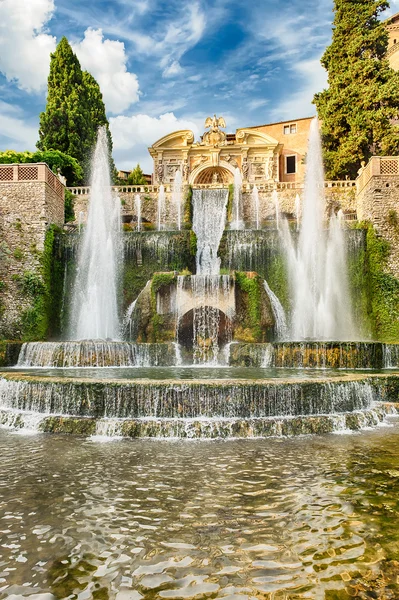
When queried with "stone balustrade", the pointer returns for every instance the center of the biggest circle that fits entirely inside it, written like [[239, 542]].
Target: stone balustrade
[[246, 187], [27, 172], [378, 166]]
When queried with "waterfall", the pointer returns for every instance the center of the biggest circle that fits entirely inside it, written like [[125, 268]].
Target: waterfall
[[209, 218], [94, 312], [128, 320], [278, 312], [255, 201], [161, 207], [317, 265], [137, 203], [177, 197], [237, 222]]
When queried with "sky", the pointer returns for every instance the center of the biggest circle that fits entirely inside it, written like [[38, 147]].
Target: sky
[[165, 65]]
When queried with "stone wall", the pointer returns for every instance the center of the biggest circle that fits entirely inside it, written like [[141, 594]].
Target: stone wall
[[27, 208], [377, 201]]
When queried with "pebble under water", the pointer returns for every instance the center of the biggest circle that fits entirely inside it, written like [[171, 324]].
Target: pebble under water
[[269, 519]]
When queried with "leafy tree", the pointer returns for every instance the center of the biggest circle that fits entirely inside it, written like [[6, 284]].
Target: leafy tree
[[136, 177], [362, 99], [55, 159], [74, 110]]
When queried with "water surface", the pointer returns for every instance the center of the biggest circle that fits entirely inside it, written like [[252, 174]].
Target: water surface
[[274, 519]]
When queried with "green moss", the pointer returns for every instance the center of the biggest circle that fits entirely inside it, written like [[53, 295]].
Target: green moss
[[18, 254], [158, 330], [193, 243], [383, 289], [277, 278], [249, 329], [69, 212]]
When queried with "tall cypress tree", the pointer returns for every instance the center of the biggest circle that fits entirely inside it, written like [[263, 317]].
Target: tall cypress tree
[[362, 97], [74, 110]]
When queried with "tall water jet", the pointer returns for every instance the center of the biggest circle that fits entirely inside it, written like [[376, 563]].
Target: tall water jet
[[297, 210], [161, 207], [237, 222], [177, 197], [317, 265], [137, 203], [255, 202], [209, 218], [94, 312], [276, 205]]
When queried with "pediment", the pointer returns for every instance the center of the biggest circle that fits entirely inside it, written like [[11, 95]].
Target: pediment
[[252, 137], [177, 139]]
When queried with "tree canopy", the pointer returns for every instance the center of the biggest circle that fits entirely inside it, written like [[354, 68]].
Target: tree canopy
[[74, 110], [362, 98]]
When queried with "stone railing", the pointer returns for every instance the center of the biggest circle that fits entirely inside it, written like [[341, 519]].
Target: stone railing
[[28, 172], [377, 166], [246, 187]]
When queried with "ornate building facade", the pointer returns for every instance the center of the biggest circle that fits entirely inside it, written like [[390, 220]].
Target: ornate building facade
[[392, 25], [263, 154]]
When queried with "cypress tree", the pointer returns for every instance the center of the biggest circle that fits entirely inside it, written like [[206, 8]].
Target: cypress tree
[[362, 97], [74, 110]]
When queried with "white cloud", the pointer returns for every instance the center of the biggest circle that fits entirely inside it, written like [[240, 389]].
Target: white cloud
[[312, 78], [106, 61], [25, 46], [172, 70], [20, 135], [133, 135]]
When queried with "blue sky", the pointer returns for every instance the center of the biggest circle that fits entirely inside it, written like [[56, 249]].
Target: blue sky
[[165, 65]]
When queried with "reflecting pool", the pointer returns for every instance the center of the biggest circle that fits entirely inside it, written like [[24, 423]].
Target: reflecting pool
[[307, 517]]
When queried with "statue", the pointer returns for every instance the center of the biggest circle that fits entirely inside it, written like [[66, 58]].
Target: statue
[[214, 137], [215, 177], [245, 169], [186, 170]]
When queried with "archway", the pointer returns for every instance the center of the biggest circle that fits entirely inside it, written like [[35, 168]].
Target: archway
[[223, 174]]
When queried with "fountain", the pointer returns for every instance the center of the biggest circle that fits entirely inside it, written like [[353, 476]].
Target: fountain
[[215, 340], [237, 222], [160, 207], [95, 303], [177, 197], [317, 264]]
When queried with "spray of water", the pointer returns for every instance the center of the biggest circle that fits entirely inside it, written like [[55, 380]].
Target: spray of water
[[317, 265], [94, 312], [255, 202], [137, 202], [276, 205], [237, 222], [161, 207]]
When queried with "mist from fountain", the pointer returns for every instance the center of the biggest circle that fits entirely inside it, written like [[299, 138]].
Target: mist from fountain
[[94, 313], [177, 197], [317, 265], [297, 210], [276, 205]]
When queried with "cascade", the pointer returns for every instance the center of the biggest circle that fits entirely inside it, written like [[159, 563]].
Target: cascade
[[255, 202], [94, 313], [177, 197], [160, 207], [237, 222], [317, 265], [128, 320], [297, 210], [137, 203], [209, 218], [278, 312]]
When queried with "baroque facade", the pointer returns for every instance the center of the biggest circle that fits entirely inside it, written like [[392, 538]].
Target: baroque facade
[[263, 154]]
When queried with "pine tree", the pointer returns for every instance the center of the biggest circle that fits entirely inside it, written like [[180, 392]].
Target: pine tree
[[136, 177], [362, 99], [74, 111]]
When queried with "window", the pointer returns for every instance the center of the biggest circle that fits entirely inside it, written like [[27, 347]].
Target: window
[[290, 165], [289, 129]]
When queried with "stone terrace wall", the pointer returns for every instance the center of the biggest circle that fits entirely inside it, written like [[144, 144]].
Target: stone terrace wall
[[339, 195], [378, 202], [31, 199]]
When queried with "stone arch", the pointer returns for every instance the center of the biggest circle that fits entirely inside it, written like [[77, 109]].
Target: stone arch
[[186, 329], [204, 173]]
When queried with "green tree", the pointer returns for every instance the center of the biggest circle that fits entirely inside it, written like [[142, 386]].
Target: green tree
[[74, 111], [55, 159], [362, 97], [136, 177]]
